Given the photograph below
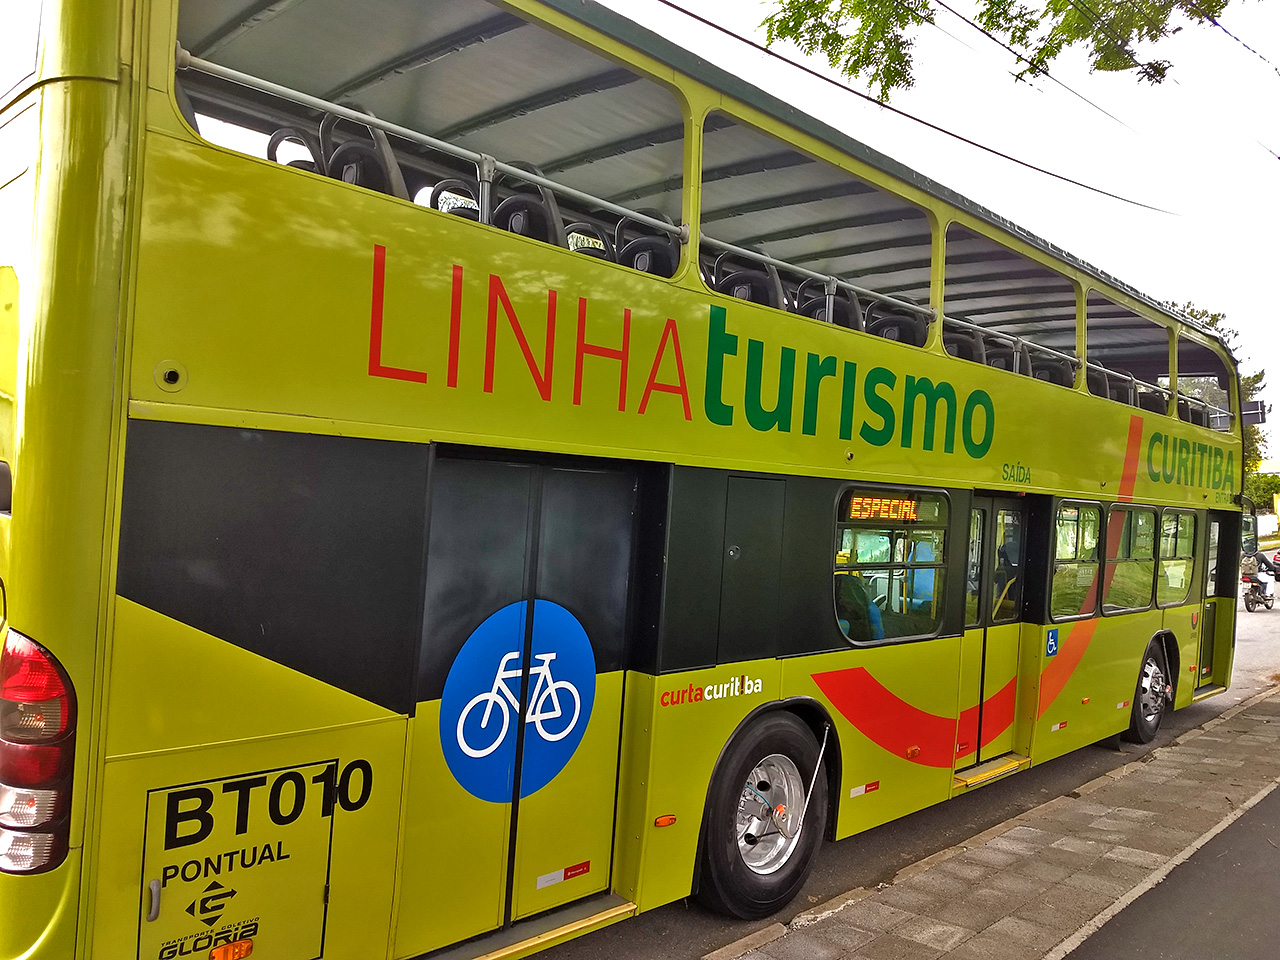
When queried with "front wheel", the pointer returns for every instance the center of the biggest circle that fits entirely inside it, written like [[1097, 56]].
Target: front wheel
[[759, 840], [1152, 696]]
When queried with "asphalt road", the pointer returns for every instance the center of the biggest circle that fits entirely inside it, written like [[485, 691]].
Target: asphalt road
[[685, 931]]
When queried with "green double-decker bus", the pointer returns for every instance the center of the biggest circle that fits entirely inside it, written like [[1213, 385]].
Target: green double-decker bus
[[471, 472]]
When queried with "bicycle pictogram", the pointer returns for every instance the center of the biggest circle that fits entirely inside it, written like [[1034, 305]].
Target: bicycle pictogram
[[514, 669], [548, 698]]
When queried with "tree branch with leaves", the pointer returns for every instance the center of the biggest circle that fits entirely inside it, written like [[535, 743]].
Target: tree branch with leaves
[[871, 39]]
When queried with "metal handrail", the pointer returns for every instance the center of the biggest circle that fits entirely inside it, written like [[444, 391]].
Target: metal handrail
[[927, 312], [1016, 340], [486, 166]]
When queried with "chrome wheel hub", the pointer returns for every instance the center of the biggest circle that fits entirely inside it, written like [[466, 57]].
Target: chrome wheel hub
[[1154, 691], [770, 810]]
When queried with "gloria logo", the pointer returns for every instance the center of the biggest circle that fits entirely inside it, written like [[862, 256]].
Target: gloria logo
[[480, 707]]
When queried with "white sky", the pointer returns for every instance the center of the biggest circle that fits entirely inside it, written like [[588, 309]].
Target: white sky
[[1190, 147]]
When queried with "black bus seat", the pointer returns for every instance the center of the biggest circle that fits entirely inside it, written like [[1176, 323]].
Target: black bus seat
[[1004, 355], [1096, 381], [593, 232], [1053, 370], [459, 188], [964, 343], [894, 323]]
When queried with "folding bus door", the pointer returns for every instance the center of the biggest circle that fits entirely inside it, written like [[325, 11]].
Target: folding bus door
[[513, 761]]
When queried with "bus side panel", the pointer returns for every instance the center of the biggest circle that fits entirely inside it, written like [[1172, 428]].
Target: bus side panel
[[635, 772], [1087, 686], [1184, 624], [695, 714], [895, 709], [288, 841]]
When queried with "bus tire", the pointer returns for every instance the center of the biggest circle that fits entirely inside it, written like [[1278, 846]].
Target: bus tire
[[750, 869], [1150, 699]]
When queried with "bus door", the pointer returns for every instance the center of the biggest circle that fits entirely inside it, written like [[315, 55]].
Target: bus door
[[1209, 603], [989, 655], [513, 753]]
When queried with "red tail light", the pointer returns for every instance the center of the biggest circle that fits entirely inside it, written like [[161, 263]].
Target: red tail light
[[37, 749]]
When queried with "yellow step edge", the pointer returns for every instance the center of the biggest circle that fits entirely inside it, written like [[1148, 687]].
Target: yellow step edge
[[1204, 693], [986, 773], [570, 930]]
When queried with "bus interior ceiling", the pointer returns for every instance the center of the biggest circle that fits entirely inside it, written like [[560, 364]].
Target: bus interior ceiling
[[779, 226]]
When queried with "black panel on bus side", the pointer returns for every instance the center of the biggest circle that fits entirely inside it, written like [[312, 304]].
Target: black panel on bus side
[[1038, 558], [304, 549], [477, 557], [807, 615], [585, 551], [749, 585], [694, 562]]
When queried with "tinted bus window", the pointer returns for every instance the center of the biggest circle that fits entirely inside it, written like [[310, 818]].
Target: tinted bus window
[[1075, 567], [890, 564], [1131, 536], [1177, 552]]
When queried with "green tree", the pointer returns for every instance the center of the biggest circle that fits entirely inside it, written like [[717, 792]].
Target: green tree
[[871, 38]]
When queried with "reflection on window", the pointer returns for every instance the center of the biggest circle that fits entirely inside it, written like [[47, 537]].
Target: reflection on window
[[1131, 550], [1075, 561], [889, 575], [973, 568], [1006, 588], [1177, 552]]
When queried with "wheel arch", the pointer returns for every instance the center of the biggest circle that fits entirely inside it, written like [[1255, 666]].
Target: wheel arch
[[813, 715]]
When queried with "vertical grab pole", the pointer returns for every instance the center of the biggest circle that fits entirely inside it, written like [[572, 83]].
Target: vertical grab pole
[[487, 168]]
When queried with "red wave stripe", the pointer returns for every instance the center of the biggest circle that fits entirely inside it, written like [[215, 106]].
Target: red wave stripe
[[1071, 648], [997, 714], [888, 720]]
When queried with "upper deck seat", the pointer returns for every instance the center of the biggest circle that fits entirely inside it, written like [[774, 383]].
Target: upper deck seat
[[1155, 402], [1005, 355], [1096, 381], [1053, 370], [894, 323], [965, 343]]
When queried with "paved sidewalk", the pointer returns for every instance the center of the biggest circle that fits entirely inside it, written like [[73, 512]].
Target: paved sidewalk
[[1038, 885]]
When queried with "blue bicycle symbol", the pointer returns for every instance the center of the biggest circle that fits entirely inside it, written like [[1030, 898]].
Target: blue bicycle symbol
[[481, 699]]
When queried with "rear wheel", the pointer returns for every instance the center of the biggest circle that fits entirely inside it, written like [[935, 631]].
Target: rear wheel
[[1151, 698], [759, 841], [1248, 601]]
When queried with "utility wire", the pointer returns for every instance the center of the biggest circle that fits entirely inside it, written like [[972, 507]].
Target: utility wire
[[1214, 21], [902, 113], [1035, 71]]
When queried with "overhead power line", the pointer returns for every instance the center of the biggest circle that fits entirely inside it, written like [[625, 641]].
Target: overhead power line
[[1022, 57], [902, 113], [1214, 21]]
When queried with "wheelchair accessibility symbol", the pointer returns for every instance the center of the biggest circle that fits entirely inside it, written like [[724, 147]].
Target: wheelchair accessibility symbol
[[481, 701], [1051, 644]]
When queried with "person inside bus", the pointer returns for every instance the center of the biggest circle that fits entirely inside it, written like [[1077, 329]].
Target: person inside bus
[[856, 609]]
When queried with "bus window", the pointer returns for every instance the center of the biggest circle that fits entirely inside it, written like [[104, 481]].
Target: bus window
[[1075, 567], [466, 72], [1007, 311], [1130, 559], [890, 564], [760, 194], [1129, 354], [1202, 386], [1007, 586], [973, 568], [1177, 550]]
